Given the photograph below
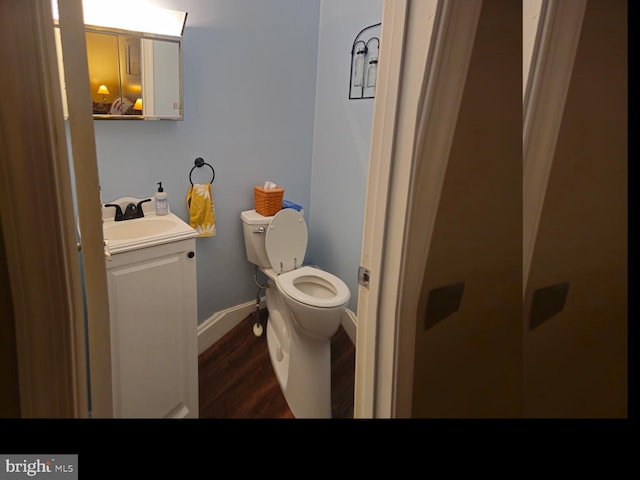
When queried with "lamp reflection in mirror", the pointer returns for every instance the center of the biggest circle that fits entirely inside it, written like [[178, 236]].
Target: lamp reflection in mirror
[[104, 91], [138, 105]]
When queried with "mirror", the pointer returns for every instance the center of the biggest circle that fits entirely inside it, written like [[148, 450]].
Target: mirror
[[132, 76]]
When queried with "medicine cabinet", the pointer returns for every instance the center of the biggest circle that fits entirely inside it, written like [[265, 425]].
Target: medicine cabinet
[[132, 75]]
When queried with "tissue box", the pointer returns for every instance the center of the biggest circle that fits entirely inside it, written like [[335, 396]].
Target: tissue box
[[268, 202]]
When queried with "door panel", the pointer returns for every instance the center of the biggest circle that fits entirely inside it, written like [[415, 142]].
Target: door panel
[[468, 364], [9, 394], [575, 363]]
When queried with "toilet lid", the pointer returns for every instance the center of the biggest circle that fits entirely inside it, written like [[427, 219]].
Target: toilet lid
[[286, 240]]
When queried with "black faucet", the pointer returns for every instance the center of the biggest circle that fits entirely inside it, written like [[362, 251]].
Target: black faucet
[[119, 215], [131, 211]]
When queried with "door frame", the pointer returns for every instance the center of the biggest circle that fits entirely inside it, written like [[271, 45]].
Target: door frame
[[409, 154], [37, 220], [55, 380], [552, 62], [89, 204], [387, 308]]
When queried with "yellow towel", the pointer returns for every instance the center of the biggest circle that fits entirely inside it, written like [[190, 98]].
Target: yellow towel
[[202, 215]]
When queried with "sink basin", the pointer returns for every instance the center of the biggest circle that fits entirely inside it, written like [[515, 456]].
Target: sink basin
[[140, 227], [144, 232]]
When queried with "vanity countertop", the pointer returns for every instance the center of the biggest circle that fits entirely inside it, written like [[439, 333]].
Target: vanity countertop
[[148, 231]]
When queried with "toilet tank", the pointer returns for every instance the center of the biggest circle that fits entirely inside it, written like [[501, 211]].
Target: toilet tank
[[252, 222]]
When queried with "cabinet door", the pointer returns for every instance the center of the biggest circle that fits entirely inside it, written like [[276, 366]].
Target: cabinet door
[[152, 300]]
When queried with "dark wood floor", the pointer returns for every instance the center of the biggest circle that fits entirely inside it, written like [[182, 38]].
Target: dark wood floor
[[236, 379]]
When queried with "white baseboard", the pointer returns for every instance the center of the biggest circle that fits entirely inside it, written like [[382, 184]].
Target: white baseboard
[[350, 324], [220, 323]]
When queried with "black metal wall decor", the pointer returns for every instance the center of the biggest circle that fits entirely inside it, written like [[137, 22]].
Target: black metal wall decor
[[364, 63]]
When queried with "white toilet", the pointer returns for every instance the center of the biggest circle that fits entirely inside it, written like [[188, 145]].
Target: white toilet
[[305, 306]]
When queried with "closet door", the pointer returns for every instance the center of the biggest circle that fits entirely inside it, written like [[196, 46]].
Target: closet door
[[575, 302], [468, 342]]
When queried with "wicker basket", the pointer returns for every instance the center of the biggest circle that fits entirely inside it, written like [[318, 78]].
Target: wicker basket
[[268, 202]]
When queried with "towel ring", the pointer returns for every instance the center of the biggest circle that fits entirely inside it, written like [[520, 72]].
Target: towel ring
[[199, 163]]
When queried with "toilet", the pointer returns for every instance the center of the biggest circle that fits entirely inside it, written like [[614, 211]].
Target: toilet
[[305, 306]]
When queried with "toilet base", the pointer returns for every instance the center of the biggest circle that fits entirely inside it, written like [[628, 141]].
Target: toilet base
[[302, 364]]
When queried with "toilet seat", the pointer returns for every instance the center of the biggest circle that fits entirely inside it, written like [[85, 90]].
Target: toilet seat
[[314, 287], [286, 245]]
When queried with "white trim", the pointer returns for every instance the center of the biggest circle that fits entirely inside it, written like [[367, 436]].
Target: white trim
[[419, 41], [552, 65], [350, 324], [443, 85], [404, 132], [394, 15], [76, 74], [393, 147], [532, 11], [222, 322]]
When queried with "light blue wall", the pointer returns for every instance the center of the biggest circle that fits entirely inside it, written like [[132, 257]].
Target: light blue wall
[[256, 110], [249, 98], [342, 134]]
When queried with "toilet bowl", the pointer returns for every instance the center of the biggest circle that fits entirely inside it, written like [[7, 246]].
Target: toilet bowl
[[305, 306]]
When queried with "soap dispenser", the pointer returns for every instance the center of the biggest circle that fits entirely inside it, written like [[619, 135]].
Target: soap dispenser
[[162, 206]]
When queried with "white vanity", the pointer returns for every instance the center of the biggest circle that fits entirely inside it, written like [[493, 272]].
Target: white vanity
[[151, 274]]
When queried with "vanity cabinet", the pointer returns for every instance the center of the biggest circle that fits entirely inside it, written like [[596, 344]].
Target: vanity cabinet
[[153, 311]]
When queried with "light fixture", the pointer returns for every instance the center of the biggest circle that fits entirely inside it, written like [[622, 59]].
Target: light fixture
[[138, 105], [141, 17], [104, 91]]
